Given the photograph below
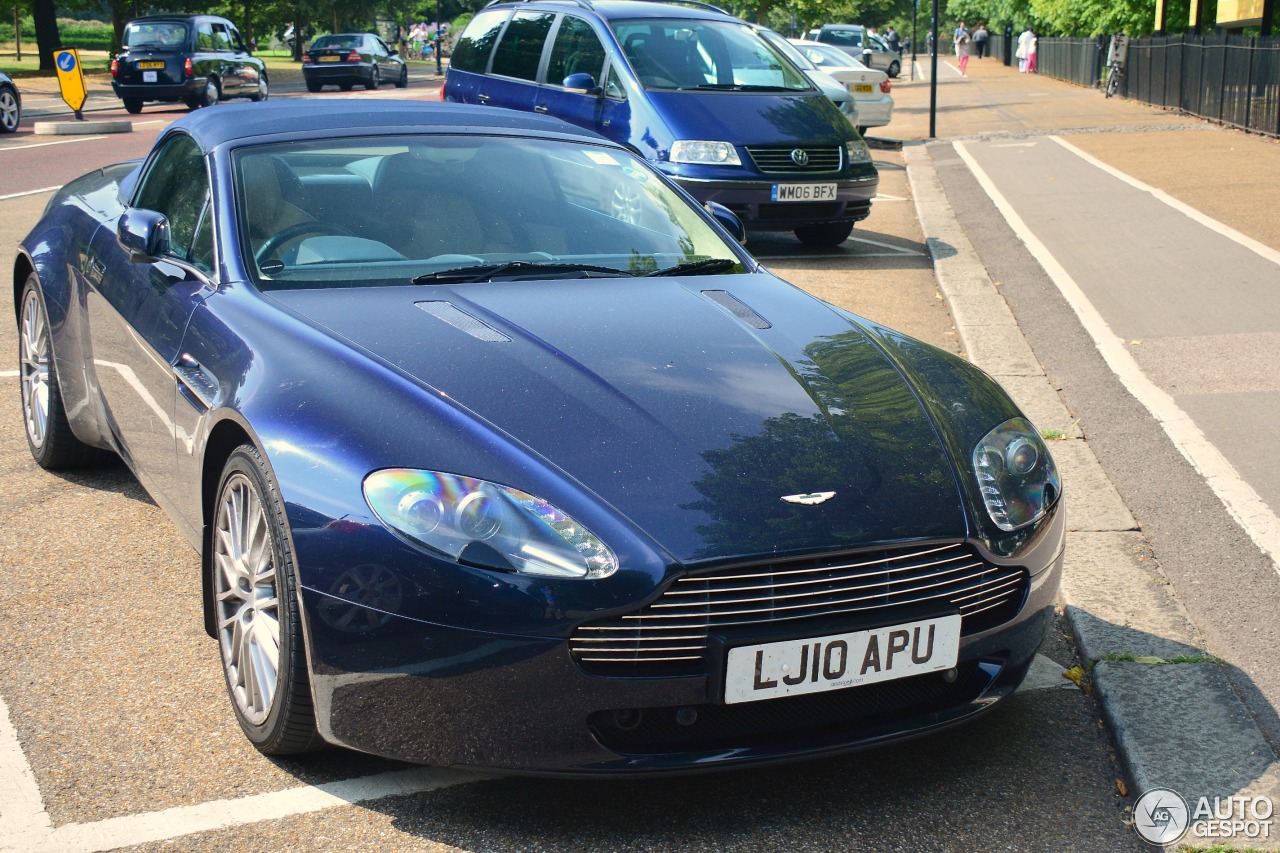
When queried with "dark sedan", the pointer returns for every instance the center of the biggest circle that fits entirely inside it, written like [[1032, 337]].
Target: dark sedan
[[536, 469], [10, 104], [194, 59], [352, 59]]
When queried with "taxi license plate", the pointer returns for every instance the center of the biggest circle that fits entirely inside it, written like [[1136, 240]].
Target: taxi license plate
[[330, 58], [861, 88], [795, 667], [803, 192], [151, 64]]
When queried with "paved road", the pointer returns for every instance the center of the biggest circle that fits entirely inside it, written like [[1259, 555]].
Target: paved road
[[118, 709]]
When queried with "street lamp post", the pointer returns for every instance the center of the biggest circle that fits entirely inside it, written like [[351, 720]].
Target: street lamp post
[[439, 37]]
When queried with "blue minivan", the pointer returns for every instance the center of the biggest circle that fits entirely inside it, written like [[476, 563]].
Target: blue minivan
[[695, 90]]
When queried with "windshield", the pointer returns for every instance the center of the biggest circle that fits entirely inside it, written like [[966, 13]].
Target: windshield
[[162, 35], [826, 56], [708, 55], [788, 50], [380, 211]]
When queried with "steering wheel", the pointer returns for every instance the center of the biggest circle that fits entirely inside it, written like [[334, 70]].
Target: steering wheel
[[275, 241]]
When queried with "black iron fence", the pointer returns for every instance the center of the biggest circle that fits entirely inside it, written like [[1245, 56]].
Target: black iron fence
[[1227, 78]]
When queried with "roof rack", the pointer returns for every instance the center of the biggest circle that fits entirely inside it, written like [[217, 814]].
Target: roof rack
[[697, 4], [581, 4]]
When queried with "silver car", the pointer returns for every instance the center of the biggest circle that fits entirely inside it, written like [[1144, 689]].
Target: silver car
[[853, 39]]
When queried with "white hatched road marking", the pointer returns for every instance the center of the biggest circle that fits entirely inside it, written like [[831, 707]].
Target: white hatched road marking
[[1244, 504]]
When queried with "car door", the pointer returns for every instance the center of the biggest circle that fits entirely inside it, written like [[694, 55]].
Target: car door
[[576, 48], [230, 65], [517, 59], [138, 312]]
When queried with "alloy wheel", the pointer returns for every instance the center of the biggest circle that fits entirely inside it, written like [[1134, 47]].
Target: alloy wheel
[[248, 607], [33, 357]]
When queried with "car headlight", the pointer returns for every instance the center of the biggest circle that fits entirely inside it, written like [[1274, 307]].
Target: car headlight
[[483, 523], [857, 151], [702, 151], [1016, 474]]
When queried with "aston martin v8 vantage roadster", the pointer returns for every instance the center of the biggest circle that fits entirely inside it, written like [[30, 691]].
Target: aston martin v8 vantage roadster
[[500, 451]]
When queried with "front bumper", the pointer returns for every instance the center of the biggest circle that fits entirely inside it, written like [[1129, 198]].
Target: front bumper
[[447, 696], [752, 201]]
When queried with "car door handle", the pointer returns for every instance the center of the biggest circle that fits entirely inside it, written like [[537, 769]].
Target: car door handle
[[482, 98], [540, 108]]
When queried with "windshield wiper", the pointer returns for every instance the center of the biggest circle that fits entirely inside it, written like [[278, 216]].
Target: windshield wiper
[[488, 272], [738, 87], [708, 266]]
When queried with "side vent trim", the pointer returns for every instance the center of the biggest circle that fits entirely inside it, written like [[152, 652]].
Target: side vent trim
[[464, 322], [737, 308]]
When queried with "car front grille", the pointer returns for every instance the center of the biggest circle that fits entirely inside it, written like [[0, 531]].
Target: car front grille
[[780, 160], [670, 636]]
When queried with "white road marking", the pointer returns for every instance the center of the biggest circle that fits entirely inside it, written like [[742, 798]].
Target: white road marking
[[55, 142], [29, 192], [9, 374], [1244, 504], [25, 824], [1208, 222]]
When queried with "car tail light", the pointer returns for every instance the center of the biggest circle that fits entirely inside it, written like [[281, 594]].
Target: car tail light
[[306, 57], [115, 68], [188, 68], [353, 56], [884, 86]]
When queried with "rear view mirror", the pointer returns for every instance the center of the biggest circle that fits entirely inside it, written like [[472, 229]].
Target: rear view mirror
[[144, 234], [582, 84], [728, 220]]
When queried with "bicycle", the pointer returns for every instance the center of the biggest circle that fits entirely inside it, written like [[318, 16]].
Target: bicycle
[[1117, 54]]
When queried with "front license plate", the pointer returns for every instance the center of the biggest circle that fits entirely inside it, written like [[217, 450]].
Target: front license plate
[[148, 76], [794, 667], [862, 88], [151, 64], [803, 192], [330, 58]]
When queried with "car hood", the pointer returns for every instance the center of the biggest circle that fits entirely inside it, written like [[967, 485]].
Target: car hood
[[751, 118], [691, 406]]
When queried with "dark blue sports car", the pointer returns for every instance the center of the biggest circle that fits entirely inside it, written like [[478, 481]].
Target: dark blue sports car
[[535, 469]]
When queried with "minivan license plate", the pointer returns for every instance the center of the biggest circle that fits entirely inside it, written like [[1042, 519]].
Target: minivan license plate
[[794, 667], [804, 192]]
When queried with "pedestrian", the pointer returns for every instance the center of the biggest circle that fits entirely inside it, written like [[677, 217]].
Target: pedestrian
[[1031, 53], [963, 47], [892, 40], [961, 30], [1025, 47], [929, 43], [980, 36]]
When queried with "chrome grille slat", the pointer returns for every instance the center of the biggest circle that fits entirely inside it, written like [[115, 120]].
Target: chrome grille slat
[[779, 159], [673, 631], [878, 581]]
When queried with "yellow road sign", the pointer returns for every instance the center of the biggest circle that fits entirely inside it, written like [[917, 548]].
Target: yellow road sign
[[70, 77]]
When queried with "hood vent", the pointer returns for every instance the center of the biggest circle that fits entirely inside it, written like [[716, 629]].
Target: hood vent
[[464, 322], [737, 308]]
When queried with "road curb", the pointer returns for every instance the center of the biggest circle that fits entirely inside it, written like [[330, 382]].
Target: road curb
[[1177, 726], [79, 128]]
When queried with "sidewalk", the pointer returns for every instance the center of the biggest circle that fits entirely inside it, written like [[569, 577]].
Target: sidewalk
[[1177, 726]]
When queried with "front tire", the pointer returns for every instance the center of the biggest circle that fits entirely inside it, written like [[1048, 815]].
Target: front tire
[[403, 80], [10, 112], [825, 234], [264, 90], [375, 79], [49, 437], [895, 68], [256, 610], [313, 86]]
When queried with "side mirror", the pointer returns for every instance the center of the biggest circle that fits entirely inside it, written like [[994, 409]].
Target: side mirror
[[582, 84], [144, 234], [728, 220]]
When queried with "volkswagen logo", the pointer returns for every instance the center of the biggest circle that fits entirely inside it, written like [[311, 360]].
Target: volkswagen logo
[[800, 157]]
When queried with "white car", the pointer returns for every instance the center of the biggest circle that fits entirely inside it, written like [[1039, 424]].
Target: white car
[[838, 92], [870, 88]]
